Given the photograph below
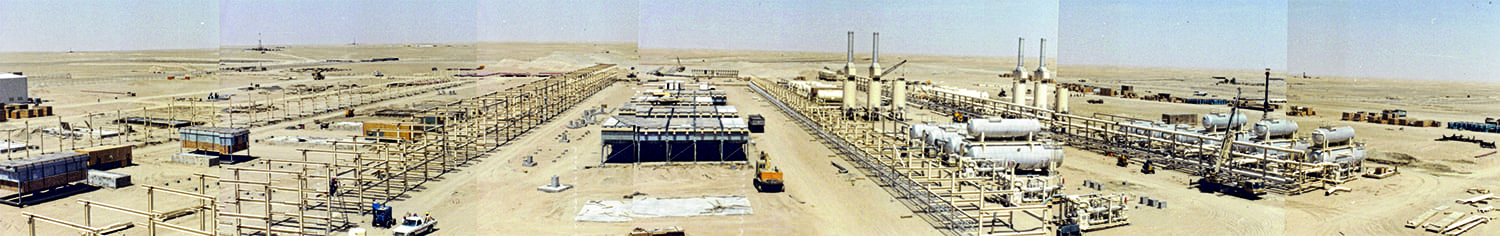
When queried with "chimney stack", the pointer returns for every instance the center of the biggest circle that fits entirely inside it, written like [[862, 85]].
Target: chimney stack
[[1020, 71], [1041, 70], [1043, 62], [875, 70], [850, 101], [874, 88], [849, 65]]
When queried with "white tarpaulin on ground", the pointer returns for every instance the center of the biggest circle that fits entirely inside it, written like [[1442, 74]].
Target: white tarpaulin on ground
[[619, 211]]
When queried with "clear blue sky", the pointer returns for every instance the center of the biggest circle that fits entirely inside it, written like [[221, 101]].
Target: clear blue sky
[[1180, 34], [286, 22], [1446, 40], [980, 28], [558, 21], [107, 25]]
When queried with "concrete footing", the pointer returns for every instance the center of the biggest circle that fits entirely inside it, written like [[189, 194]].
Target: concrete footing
[[554, 187]]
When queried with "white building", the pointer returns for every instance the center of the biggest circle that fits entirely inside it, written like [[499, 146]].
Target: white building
[[12, 88]]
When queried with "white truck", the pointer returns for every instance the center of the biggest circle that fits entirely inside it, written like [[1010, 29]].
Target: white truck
[[415, 225]]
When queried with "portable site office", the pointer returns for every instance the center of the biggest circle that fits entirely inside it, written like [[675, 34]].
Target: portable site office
[[224, 141], [43, 171]]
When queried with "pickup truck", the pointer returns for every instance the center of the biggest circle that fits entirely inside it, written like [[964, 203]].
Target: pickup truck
[[415, 225]]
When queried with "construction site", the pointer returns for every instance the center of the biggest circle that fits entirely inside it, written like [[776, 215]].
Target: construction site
[[555, 138]]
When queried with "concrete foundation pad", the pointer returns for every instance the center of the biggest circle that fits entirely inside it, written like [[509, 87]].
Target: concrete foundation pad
[[554, 189]]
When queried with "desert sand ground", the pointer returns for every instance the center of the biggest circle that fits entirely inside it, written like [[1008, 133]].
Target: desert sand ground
[[497, 196]]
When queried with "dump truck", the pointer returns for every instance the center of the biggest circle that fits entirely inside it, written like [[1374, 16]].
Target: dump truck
[[416, 225], [767, 178]]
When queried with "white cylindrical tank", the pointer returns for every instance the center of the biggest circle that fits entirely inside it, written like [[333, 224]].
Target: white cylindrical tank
[[915, 131], [1018, 91], [933, 135], [1353, 154], [1039, 94], [1003, 128], [829, 95], [874, 100], [1223, 121], [1062, 100], [1275, 128], [898, 95], [849, 91], [1133, 130], [1161, 126], [1338, 134], [1025, 157]]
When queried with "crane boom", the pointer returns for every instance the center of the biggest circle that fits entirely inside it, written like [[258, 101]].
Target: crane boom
[[893, 68]]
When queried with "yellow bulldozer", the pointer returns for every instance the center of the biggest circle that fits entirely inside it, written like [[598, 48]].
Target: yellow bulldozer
[[767, 178]]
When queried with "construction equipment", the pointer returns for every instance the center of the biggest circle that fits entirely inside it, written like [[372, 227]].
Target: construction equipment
[[767, 178], [416, 225], [1147, 168], [959, 117], [382, 215], [1120, 160], [349, 113], [892, 68], [1216, 179]]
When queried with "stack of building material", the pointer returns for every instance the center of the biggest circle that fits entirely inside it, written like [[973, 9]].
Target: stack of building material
[[1437, 226], [111, 156], [7, 147], [1425, 216], [391, 131], [757, 124], [104, 179], [1107, 92], [43, 171], [1474, 126], [215, 139], [1179, 118], [20, 111], [195, 159], [1305, 111]]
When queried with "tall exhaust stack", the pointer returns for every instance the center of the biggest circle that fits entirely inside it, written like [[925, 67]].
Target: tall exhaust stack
[[850, 101], [875, 89], [1020, 71], [1018, 76], [875, 70], [849, 64], [1041, 69]]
